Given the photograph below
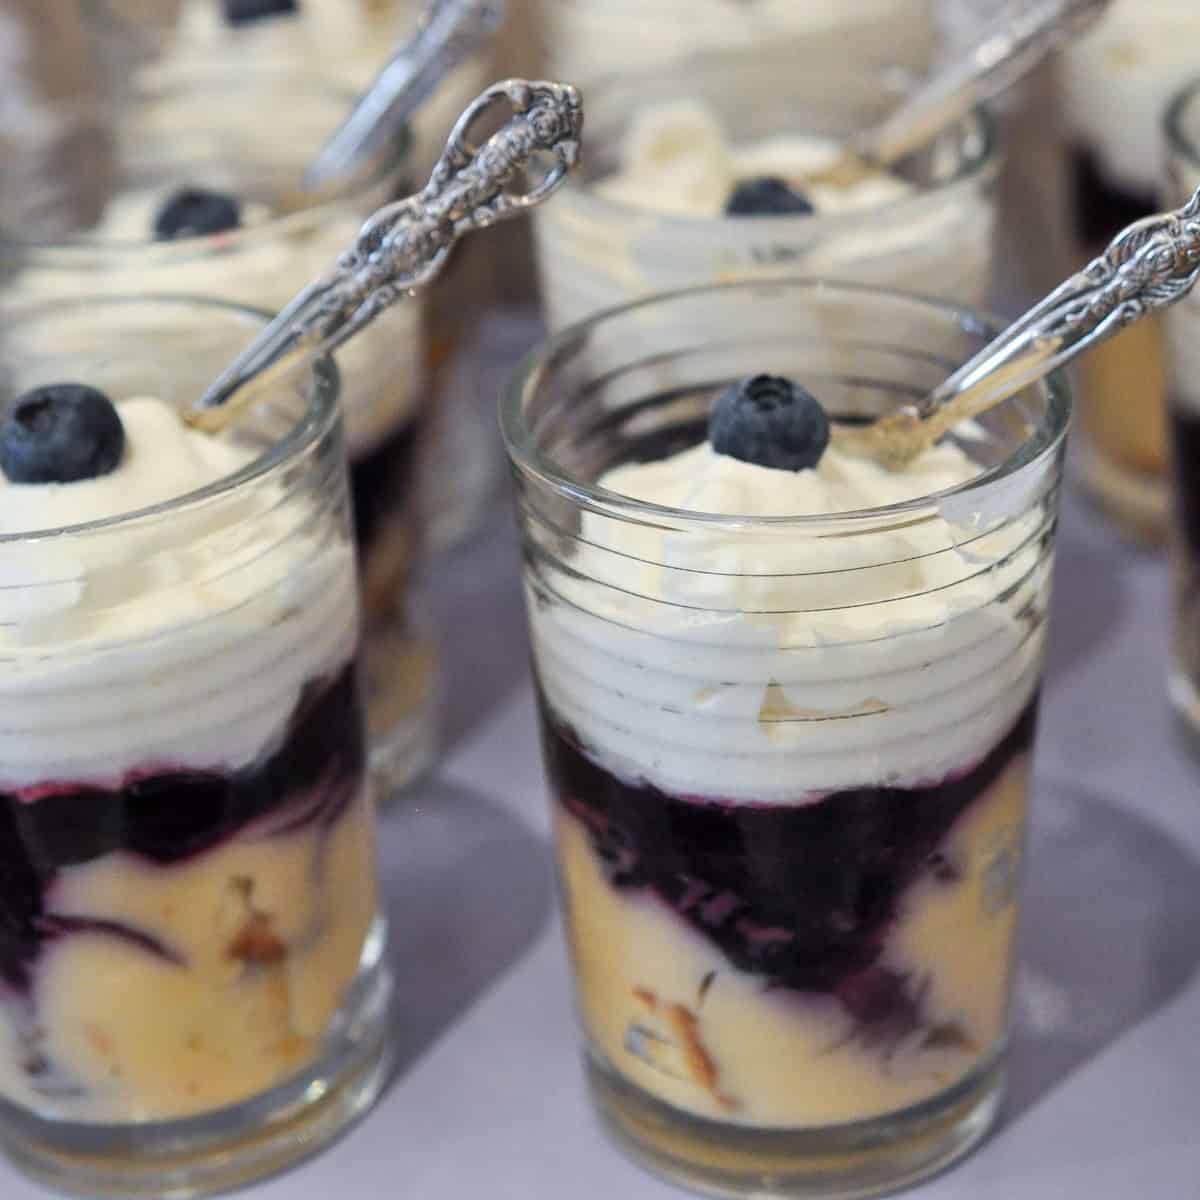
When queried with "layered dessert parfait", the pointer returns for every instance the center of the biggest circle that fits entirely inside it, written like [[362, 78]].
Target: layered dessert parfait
[[204, 204], [186, 835], [1183, 344], [350, 41], [788, 701], [588, 39], [1115, 84], [715, 173]]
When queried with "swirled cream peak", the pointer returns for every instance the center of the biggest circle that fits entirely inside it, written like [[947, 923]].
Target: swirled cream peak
[[676, 159], [702, 481], [812, 585]]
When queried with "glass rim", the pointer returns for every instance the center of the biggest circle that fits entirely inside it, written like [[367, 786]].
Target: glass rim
[[532, 463], [1179, 142], [184, 81], [977, 166], [321, 413]]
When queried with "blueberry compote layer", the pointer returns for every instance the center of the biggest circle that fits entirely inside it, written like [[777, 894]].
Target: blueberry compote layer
[[844, 955], [178, 940]]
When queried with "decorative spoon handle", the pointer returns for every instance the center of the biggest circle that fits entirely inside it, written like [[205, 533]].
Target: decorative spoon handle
[[448, 33], [1009, 45], [1148, 266], [404, 245]]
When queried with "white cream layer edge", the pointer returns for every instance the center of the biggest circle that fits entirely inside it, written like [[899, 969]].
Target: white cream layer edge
[[183, 645], [896, 674]]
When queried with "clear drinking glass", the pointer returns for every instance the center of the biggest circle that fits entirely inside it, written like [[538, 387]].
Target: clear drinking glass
[[1114, 85], [193, 990], [191, 129], [1183, 342], [595, 252], [788, 756], [588, 39]]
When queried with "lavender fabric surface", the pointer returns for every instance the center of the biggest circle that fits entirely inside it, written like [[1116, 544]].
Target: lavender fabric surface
[[1105, 1069]]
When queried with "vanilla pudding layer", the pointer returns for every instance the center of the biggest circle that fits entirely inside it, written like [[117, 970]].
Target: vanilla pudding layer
[[182, 639], [766, 667], [586, 39], [655, 223], [1116, 81]]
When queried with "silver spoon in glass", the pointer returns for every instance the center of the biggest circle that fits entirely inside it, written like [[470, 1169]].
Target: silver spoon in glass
[[405, 245], [448, 32], [1008, 47], [1148, 266]]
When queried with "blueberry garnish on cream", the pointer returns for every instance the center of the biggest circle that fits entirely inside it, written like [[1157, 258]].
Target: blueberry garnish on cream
[[769, 421], [766, 196], [243, 12], [60, 433], [194, 212]]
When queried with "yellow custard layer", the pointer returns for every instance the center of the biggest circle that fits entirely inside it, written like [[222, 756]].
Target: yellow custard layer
[[267, 934]]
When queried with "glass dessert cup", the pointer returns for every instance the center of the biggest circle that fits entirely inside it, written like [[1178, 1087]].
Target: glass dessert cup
[[586, 39], [1183, 341], [788, 756], [1114, 85], [349, 41], [595, 251], [191, 130], [193, 989]]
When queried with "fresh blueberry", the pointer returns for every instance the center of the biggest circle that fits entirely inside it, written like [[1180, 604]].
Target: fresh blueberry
[[60, 434], [193, 212], [243, 12], [770, 421], [766, 196]]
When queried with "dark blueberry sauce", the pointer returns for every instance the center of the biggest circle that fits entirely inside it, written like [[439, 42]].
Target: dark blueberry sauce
[[165, 816], [803, 896]]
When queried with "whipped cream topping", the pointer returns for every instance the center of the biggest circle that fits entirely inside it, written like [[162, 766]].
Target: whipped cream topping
[[590, 38], [182, 638], [772, 665], [676, 159], [604, 243], [264, 265], [1117, 80]]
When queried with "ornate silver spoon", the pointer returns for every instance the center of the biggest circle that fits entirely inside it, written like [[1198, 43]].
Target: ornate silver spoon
[[447, 34], [404, 245], [1009, 45], [1148, 266]]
